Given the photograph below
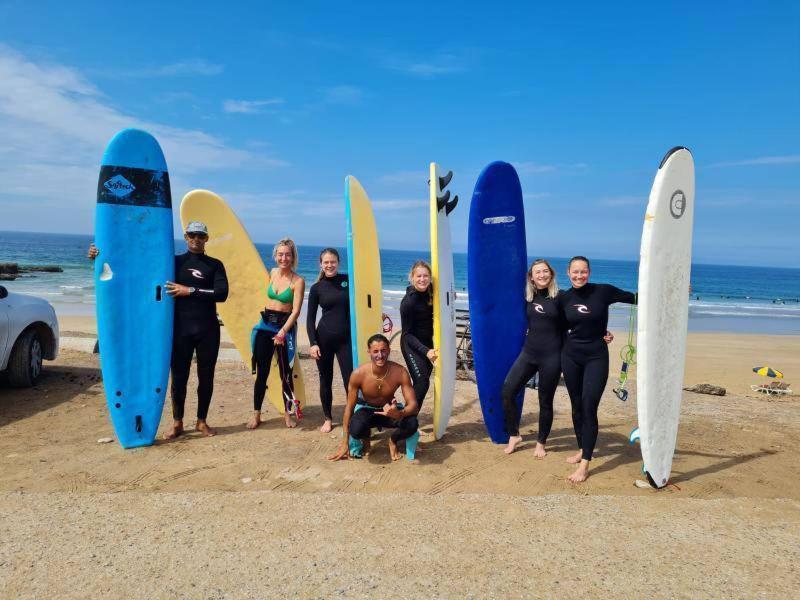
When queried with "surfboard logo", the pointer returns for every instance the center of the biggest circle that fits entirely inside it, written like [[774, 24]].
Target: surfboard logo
[[677, 204], [582, 308], [496, 220], [538, 308], [119, 186]]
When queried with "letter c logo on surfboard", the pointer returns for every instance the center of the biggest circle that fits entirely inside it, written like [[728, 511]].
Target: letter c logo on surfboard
[[677, 204]]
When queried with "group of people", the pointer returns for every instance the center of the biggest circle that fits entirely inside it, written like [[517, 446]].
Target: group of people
[[566, 333]]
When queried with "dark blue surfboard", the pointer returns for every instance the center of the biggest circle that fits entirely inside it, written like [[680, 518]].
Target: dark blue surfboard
[[133, 230], [496, 267]]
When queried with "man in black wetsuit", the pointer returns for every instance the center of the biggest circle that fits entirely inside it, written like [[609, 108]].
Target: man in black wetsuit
[[200, 282]]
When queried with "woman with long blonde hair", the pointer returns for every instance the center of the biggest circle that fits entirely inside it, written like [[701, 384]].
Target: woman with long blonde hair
[[276, 332], [416, 340]]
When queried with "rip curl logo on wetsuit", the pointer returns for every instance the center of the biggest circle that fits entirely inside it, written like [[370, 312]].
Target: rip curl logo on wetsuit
[[582, 308], [538, 308], [196, 274], [119, 186], [344, 284], [677, 204]]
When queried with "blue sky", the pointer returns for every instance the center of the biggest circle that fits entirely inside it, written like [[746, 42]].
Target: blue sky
[[272, 107]]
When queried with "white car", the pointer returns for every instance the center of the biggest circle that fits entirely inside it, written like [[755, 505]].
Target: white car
[[28, 334]]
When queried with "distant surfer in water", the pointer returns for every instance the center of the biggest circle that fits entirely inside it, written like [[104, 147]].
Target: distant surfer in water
[[276, 333], [416, 322], [372, 387], [200, 282], [584, 357], [331, 336]]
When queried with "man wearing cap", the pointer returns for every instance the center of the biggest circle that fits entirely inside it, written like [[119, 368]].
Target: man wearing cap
[[200, 282]]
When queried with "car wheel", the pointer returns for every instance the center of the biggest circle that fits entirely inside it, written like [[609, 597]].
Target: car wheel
[[25, 362]]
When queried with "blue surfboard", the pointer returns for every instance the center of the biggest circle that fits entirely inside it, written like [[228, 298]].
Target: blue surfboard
[[133, 230], [496, 268]]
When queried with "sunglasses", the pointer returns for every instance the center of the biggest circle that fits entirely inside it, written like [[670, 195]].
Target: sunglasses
[[193, 236]]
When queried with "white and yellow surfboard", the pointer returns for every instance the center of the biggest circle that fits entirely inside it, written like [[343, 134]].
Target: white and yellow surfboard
[[444, 297], [248, 279], [363, 269]]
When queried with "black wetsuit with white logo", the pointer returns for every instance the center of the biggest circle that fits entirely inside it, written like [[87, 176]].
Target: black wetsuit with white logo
[[196, 328], [331, 334], [416, 339], [541, 353], [584, 358]]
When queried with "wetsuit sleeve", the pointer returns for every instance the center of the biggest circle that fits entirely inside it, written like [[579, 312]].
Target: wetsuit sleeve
[[311, 316], [220, 291], [407, 325], [617, 295]]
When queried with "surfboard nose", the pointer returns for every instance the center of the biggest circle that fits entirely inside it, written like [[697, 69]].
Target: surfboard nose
[[135, 148]]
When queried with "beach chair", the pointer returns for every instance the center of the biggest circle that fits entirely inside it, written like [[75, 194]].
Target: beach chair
[[773, 388], [464, 360]]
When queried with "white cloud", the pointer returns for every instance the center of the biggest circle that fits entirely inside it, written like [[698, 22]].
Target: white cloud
[[343, 94], [249, 106], [188, 67], [445, 63], [56, 123], [791, 159]]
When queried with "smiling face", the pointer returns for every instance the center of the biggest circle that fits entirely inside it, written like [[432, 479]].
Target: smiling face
[[541, 276], [329, 263], [379, 353], [578, 272], [421, 279], [284, 257], [196, 242]]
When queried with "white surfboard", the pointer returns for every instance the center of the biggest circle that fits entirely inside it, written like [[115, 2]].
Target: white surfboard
[[444, 297], [664, 270]]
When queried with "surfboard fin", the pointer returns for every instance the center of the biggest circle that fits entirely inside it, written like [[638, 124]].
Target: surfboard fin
[[634, 436], [451, 205], [445, 179], [441, 201]]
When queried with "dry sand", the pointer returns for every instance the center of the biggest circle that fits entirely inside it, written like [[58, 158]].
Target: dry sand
[[261, 514]]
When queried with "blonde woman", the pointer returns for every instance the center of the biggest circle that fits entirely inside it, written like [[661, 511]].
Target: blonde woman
[[416, 340], [276, 332]]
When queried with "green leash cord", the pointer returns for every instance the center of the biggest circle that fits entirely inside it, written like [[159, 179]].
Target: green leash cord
[[628, 356]]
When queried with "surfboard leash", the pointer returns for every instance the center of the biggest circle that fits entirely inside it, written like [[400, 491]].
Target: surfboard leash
[[628, 356]]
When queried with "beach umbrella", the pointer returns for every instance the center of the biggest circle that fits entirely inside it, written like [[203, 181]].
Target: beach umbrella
[[767, 372]]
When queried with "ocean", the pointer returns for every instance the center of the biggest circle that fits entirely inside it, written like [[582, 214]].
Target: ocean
[[724, 298]]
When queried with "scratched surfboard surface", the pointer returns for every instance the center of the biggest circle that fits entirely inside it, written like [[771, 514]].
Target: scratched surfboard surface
[[133, 230]]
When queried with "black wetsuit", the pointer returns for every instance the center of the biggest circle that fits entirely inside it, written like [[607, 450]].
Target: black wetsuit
[[331, 334], [196, 328], [416, 339], [584, 358], [365, 419], [542, 353]]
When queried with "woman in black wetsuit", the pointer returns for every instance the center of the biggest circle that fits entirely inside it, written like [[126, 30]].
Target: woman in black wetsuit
[[331, 336], [541, 352], [584, 357], [416, 340]]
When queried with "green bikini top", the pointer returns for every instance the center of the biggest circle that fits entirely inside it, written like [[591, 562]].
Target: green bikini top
[[285, 296]]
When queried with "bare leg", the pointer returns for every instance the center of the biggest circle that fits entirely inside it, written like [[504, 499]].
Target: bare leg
[[393, 451], [203, 428], [255, 420], [581, 473], [177, 429], [539, 451], [327, 426], [288, 419], [575, 458], [513, 442], [367, 446]]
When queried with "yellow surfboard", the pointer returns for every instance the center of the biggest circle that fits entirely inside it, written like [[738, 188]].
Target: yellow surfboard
[[364, 270], [247, 281]]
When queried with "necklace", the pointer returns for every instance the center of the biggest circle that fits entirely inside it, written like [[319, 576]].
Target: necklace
[[379, 380]]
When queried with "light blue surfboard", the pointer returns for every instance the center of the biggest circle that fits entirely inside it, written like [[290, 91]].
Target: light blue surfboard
[[496, 267], [133, 230]]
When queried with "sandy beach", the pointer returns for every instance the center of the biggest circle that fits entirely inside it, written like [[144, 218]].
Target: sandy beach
[[255, 514]]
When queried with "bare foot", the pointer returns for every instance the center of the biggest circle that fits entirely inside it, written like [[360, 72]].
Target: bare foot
[[327, 426], [539, 451], [513, 442], [575, 458], [203, 428], [393, 451], [177, 429], [255, 420], [289, 422], [366, 447], [581, 473]]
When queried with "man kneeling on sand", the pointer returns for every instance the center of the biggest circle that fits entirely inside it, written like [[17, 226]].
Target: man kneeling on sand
[[377, 382]]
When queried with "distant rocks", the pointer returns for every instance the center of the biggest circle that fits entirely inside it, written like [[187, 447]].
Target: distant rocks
[[10, 271], [706, 388]]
